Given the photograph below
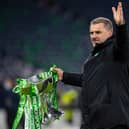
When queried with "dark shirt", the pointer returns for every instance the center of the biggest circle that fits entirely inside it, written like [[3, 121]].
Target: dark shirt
[[105, 83]]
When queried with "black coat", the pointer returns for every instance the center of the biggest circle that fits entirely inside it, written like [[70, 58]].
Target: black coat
[[105, 83]]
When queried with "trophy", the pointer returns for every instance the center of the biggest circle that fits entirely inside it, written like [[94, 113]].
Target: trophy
[[38, 100]]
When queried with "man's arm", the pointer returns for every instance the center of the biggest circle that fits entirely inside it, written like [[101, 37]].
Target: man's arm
[[69, 78], [72, 79], [121, 46]]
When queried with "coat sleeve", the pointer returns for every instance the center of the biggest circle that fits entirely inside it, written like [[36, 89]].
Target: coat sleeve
[[72, 79], [121, 45]]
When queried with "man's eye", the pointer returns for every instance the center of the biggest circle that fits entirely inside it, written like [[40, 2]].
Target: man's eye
[[98, 32]]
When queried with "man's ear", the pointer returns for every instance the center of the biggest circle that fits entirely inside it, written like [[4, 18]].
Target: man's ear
[[110, 33]]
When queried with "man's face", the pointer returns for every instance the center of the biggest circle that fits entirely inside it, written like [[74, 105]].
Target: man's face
[[99, 33]]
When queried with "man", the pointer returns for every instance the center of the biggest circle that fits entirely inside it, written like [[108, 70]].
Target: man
[[105, 77]]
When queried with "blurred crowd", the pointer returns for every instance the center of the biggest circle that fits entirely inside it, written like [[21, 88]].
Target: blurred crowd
[[11, 68]]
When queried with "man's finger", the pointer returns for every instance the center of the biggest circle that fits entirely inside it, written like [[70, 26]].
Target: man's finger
[[114, 11]]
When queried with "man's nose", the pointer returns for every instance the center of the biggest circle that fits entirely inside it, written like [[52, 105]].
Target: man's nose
[[94, 35]]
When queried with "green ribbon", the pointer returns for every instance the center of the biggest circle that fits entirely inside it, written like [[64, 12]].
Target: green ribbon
[[38, 100]]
